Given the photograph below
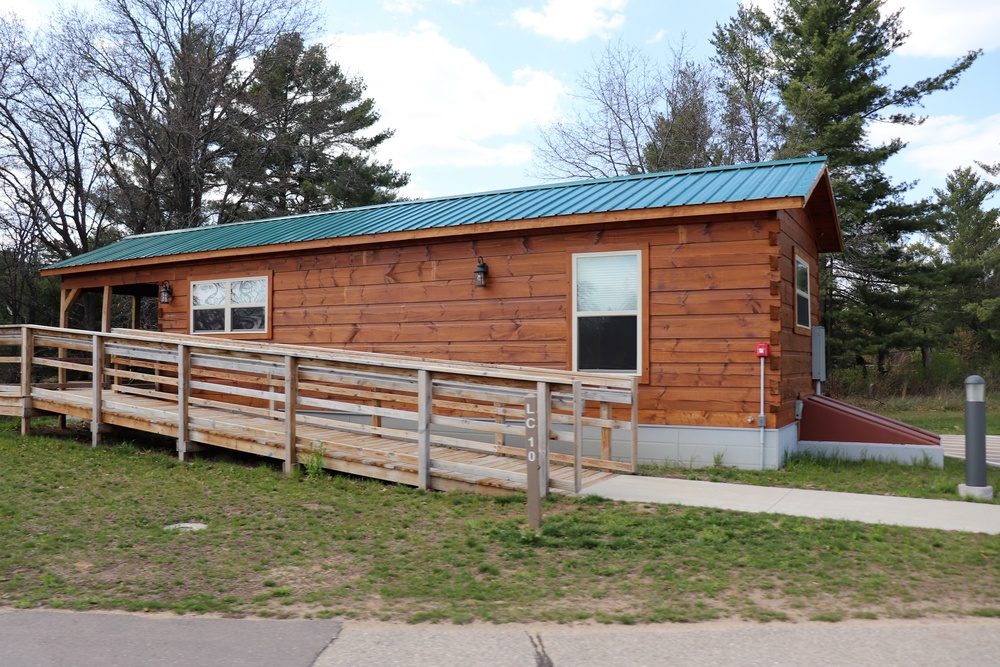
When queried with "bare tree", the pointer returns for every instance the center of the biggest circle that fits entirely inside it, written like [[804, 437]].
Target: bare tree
[[617, 108], [50, 138], [174, 72], [634, 116]]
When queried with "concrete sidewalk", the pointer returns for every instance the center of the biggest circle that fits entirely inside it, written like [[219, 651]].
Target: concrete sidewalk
[[859, 644], [94, 639], [914, 512]]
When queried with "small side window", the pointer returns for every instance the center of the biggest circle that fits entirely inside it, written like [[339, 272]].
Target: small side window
[[803, 316]]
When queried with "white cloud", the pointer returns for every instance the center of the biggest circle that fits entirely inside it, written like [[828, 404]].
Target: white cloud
[[401, 6], [447, 107], [948, 28], [573, 20], [942, 144]]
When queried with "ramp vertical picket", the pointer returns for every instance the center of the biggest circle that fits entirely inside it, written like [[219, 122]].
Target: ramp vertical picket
[[577, 436], [27, 352], [97, 387], [291, 398], [183, 396], [425, 406], [544, 414]]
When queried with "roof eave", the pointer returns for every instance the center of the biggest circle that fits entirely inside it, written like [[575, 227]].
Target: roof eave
[[821, 207], [552, 222]]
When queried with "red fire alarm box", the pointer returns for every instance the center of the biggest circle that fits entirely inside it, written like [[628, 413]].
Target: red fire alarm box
[[763, 349]]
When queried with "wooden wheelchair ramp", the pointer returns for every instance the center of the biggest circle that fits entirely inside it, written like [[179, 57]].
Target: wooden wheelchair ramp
[[425, 423]]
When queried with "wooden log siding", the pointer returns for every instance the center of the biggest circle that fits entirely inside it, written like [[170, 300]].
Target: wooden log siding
[[164, 383], [795, 343], [717, 285]]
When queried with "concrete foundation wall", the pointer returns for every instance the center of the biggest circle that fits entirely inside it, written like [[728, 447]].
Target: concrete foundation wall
[[701, 446], [907, 454], [698, 447], [691, 446]]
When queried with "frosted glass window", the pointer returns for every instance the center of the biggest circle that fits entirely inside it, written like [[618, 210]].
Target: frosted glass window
[[249, 291], [208, 294], [606, 317], [238, 305]]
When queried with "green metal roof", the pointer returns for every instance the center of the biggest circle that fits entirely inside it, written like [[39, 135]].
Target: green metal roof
[[739, 183]]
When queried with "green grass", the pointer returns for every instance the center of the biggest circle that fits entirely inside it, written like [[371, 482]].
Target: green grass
[[81, 528], [940, 414], [803, 471]]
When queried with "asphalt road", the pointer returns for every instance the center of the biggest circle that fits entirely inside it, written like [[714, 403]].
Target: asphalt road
[[63, 639]]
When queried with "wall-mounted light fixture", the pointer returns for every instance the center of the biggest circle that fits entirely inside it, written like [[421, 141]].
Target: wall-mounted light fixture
[[480, 273], [166, 292]]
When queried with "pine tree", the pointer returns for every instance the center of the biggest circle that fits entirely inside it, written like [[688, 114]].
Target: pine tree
[[751, 117], [830, 61], [969, 238], [306, 140]]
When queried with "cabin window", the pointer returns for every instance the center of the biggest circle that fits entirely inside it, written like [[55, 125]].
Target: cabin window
[[236, 305], [606, 312], [803, 318]]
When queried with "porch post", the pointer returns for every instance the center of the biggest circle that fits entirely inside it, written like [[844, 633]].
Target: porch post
[[136, 311], [68, 297], [106, 310]]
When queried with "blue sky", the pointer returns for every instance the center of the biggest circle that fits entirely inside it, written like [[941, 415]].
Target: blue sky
[[466, 84]]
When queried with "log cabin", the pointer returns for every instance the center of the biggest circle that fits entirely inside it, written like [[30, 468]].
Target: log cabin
[[703, 284]]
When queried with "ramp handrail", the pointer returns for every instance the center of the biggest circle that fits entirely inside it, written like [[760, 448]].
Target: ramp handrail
[[432, 402]]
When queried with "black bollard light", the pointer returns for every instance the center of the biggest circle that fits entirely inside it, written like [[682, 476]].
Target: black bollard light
[[975, 440]]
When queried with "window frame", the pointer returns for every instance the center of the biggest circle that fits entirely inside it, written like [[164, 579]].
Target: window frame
[[228, 331], [797, 293], [641, 312]]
